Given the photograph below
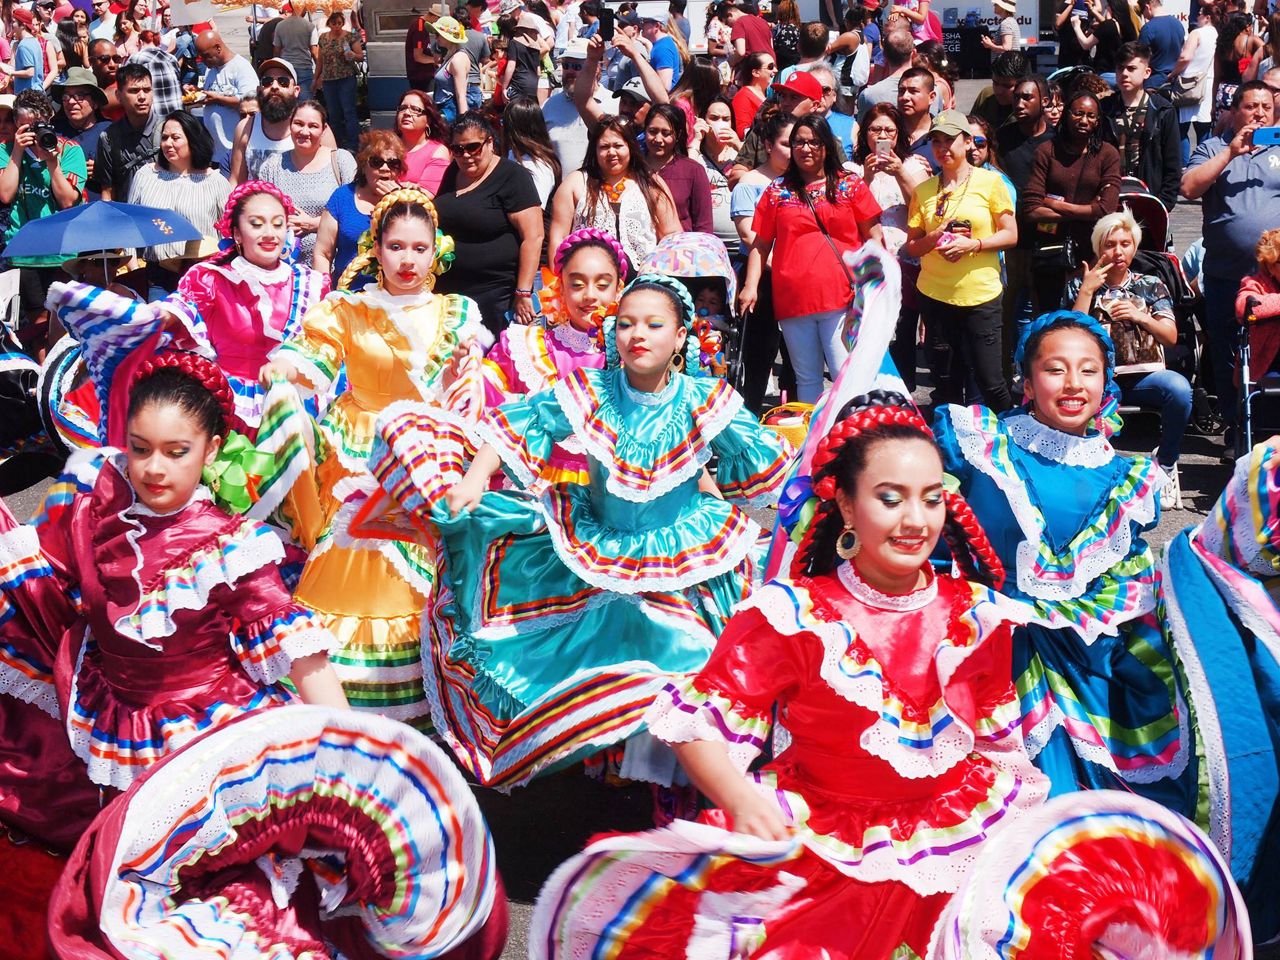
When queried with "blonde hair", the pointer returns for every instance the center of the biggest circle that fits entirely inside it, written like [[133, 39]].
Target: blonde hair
[[1268, 249], [1122, 219], [367, 256]]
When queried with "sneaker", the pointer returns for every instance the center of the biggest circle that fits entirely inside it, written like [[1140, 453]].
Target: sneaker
[[1171, 495]]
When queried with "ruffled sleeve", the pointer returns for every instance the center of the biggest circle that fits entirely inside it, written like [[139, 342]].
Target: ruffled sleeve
[[1100, 577], [524, 433], [273, 631], [196, 292], [1244, 526], [731, 699], [753, 461], [319, 350]]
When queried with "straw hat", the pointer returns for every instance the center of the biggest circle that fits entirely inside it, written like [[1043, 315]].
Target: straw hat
[[450, 29], [118, 259]]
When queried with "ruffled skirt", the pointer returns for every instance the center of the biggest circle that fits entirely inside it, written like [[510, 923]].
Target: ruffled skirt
[[279, 836]]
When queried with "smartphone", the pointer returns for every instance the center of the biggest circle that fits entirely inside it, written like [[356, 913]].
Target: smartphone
[[883, 147], [1266, 136], [606, 24], [960, 227]]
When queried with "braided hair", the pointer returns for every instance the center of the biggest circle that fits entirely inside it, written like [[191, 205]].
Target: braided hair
[[702, 347], [406, 203], [236, 201], [841, 456], [591, 237], [190, 382]]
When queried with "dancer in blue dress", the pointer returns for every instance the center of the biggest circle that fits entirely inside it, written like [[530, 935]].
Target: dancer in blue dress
[[558, 618], [1103, 704]]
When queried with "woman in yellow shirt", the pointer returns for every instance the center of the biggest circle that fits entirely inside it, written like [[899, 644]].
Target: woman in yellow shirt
[[958, 223]]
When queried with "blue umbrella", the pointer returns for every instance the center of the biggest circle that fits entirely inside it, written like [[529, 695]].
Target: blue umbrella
[[100, 225]]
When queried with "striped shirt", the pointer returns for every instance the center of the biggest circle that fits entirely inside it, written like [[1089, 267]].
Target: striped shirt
[[199, 197]]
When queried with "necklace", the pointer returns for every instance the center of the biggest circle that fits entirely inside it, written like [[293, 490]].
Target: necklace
[[944, 196], [614, 190], [898, 602]]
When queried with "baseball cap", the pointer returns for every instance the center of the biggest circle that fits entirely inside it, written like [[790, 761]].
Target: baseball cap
[[576, 49], [950, 122], [24, 17], [633, 88], [7, 101], [628, 19], [284, 65], [802, 84], [508, 7]]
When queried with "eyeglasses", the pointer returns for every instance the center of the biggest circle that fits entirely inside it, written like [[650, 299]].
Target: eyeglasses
[[979, 141], [70, 94], [394, 164], [827, 91], [108, 58], [273, 81], [571, 66], [806, 144], [411, 110], [468, 149]]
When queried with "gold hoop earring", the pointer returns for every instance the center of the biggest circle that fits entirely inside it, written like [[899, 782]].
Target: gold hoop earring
[[848, 544], [677, 363]]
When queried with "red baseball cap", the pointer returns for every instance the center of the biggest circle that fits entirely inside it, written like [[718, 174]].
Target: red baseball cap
[[802, 84], [24, 17]]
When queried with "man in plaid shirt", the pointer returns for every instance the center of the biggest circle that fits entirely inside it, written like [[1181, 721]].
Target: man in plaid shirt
[[166, 90]]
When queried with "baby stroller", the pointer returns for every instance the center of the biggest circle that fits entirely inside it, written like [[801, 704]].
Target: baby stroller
[[1266, 386], [25, 454], [1187, 356], [701, 262], [1149, 212]]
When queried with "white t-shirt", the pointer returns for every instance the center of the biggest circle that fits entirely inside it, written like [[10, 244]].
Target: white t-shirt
[[236, 78], [544, 178]]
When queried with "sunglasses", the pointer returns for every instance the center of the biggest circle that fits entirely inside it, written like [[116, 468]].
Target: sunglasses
[[391, 163], [468, 149], [108, 58], [571, 66], [979, 141], [274, 81]]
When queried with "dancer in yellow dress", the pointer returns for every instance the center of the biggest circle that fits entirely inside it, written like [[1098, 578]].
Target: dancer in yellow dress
[[399, 341]]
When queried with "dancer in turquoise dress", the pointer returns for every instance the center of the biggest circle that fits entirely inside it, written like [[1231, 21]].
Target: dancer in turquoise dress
[[1103, 702], [559, 618]]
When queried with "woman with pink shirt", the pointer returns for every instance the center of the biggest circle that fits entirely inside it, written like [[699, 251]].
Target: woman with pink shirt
[[425, 138]]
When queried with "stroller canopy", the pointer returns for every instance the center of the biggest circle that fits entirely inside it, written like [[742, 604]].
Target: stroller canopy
[[688, 256]]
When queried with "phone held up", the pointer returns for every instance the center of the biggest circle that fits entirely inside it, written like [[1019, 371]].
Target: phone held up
[[606, 24], [1266, 136]]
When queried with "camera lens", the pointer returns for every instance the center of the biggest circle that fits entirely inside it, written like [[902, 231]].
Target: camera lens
[[46, 137]]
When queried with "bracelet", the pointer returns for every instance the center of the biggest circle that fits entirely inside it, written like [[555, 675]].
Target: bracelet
[[980, 245], [524, 294]]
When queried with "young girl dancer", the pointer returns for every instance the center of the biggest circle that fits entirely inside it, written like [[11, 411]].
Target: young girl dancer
[[160, 614], [398, 341], [589, 267], [1103, 702], [560, 617], [902, 756], [245, 301]]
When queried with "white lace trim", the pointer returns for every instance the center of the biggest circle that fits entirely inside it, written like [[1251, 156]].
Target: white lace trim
[[869, 595], [881, 739], [672, 723], [339, 536], [43, 696], [1236, 501], [647, 398], [571, 338], [140, 509], [1208, 723], [521, 350], [256, 279], [1039, 438], [736, 550], [708, 429], [20, 545], [485, 434], [256, 548], [1138, 511]]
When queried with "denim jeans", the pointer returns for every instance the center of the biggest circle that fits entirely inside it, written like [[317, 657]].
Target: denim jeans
[[340, 100], [449, 105], [810, 341], [1170, 391], [1221, 331], [306, 76]]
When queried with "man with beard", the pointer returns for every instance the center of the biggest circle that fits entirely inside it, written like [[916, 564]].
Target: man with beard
[[105, 62], [266, 132], [131, 142], [229, 81]]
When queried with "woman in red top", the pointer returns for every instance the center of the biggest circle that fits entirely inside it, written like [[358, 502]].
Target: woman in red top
[[808, 219], [755, 73]]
